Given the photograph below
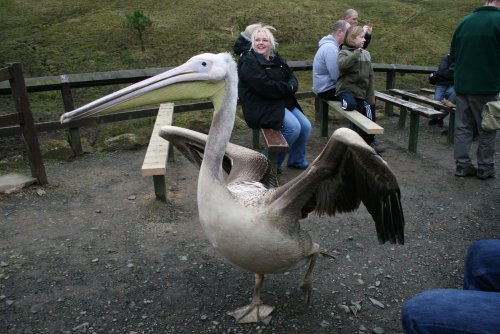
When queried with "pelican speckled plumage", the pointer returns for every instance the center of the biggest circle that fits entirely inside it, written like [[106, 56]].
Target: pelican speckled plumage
[[248, 218]]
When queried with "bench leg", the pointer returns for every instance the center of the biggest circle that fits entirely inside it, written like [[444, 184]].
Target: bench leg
[[273, 158], [402, 117], [414, 124], [170, 157], [324, 119], [255, 139], [451, 129], [160, 187]]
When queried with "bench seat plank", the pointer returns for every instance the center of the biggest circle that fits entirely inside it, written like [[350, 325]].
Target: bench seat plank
[[275, 142], [361, 121], [437, 104], [423, 99], [155, 161], [427, 90], [411, 106]]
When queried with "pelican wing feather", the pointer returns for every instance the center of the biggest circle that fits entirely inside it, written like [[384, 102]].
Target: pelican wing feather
[[240, 163], [346, 173]]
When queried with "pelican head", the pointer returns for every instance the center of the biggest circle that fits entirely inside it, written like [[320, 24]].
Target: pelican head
[[202, 77]]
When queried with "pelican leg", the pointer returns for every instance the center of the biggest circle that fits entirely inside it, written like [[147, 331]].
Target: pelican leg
[[306, 283], [256, 311]]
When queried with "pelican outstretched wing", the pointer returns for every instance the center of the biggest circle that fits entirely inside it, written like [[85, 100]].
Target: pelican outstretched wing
[[240, 163], [346, 173]]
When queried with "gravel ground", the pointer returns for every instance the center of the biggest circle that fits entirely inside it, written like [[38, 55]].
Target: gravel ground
[[94, 252]]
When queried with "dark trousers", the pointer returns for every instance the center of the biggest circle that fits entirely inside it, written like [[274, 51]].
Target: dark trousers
[[349, 102], [329, 95]]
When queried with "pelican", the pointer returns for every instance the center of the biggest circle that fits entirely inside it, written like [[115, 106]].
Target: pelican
[[247, 217]]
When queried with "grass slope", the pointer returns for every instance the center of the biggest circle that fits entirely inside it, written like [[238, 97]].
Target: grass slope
[[52, 37]]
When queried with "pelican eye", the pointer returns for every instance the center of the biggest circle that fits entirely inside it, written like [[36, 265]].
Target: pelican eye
[[204, 63]]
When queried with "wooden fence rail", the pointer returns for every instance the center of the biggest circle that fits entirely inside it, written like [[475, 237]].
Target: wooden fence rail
[[12, 124]]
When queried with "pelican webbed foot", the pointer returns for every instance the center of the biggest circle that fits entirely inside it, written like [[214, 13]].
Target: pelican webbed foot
[[252, 313], [256, 311]]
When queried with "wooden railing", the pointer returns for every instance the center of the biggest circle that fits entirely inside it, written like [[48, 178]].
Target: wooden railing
[[9, 124], [13, 75]]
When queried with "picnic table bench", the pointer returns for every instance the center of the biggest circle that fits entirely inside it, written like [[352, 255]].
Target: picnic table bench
[[159, 151], [352, 116], [416, 110], [438, 105], [274, 143]]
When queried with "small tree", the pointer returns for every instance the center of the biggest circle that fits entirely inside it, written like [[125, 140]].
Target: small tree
[[139, 23]]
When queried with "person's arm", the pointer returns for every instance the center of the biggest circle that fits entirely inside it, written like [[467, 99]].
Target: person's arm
[[370, 96], [331, 61], [368, 34], [368, 39]]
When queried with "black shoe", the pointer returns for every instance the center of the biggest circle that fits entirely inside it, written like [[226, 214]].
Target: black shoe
[[437, 120], [485, 174], [467, 171]]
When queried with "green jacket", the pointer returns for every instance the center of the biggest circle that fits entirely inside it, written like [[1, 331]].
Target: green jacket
[[356, 73], [475, 49]]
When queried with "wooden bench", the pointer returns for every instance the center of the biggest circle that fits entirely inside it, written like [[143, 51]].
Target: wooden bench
[[427, 90], [438, 105], [416, 110], [353, 116], [274, 142], [159, 151]]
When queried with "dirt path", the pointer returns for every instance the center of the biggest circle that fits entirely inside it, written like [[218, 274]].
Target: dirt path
[[94, 252]]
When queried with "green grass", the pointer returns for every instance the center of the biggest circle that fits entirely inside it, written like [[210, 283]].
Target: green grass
[[54, 37]]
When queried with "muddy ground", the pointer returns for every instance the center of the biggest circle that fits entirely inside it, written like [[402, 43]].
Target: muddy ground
[[94, 252]]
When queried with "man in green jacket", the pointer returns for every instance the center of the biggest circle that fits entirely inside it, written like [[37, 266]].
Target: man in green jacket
[[475, 49]]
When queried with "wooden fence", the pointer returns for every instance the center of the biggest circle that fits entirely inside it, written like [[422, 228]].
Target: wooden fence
[[18, 123]]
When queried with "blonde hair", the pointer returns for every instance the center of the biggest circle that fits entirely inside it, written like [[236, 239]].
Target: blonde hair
[[267, 31], [352, 33], [251, 28]]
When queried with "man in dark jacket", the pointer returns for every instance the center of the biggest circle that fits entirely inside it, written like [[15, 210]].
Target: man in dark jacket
[[475, 49]]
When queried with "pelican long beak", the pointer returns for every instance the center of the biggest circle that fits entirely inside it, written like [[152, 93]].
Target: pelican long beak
[[198, 78]]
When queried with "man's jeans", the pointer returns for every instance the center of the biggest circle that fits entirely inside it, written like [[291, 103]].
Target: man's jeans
[[476, 309], [296, 130]]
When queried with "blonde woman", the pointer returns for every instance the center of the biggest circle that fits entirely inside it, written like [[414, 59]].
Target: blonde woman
[[266, 90]]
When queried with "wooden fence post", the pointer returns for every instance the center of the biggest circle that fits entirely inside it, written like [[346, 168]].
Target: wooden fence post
[[74, 133], [27, 123]]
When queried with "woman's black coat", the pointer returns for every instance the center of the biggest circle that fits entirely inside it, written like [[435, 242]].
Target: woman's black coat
[[265, 88]]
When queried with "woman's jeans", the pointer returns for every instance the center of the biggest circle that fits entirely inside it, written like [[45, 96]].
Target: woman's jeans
[[296, 130], [476, 309]]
